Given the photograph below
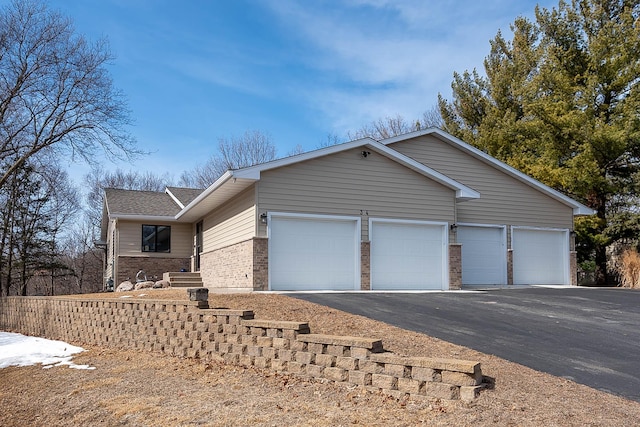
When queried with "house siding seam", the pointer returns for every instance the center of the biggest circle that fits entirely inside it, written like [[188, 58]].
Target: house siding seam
[[154, 268]]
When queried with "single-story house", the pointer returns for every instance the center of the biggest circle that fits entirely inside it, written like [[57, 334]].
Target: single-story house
[[422, 210]]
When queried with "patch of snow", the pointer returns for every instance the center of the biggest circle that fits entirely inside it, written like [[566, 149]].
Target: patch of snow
[[125, 296], [142, 295], [22, 350]]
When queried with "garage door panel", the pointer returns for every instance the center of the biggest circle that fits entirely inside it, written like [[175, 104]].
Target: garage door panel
[[483, 255], [406, 256], [540, 257], [312, 254]]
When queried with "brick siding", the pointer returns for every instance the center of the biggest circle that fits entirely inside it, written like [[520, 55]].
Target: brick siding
[[455, 266]]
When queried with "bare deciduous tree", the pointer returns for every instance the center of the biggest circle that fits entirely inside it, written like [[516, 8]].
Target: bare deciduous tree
[[55, 90], [398, 125], [252, 148]]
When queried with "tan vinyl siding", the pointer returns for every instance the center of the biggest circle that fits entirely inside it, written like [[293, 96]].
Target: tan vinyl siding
[[130, 243], [346, 183], [503, 199], [233, 223]]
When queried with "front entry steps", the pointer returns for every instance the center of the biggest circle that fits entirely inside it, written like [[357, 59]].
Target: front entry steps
[[183, 279]]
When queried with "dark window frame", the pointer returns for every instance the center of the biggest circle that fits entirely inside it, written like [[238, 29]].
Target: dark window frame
[[157, 246]]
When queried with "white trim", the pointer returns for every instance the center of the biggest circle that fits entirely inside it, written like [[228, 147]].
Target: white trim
[[504, 259], [566, 249], [138, 218], [578, 208], [213, 187], [175, 199], [320, 217], [445, 244]]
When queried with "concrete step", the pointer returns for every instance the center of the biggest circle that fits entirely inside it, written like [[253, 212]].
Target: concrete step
[[183, 279]]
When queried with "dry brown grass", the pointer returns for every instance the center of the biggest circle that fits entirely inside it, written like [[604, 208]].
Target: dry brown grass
[[629, 269], [144, 389]]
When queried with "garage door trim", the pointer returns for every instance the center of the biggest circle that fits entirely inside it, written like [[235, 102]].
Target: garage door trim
[[565, 248], [445, 243], [319, 217], [503, 259]]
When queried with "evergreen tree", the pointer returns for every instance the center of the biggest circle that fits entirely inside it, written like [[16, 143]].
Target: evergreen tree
[[561, 102]]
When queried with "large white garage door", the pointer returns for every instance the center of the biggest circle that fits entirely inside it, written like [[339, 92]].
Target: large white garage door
[[406, 256], [313, 253], [484, 255], [540, 257]]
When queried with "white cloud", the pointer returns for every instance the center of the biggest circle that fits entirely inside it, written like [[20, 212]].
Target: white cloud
[[383, 57]]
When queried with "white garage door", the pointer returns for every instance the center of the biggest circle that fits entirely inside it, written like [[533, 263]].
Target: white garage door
[[484, 255], [313, 253], [540, 257], [406, 256]]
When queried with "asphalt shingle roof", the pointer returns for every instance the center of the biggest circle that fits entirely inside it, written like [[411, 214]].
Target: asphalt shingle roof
[[135, 202], [185, 195]]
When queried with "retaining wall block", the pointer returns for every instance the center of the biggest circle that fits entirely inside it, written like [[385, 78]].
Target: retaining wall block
[[327, 360], [409, 386], [386, 382], [360, 378], [441, 390], [305, 357], [335, 374], [461, 378], [348, 363], [262, 362]]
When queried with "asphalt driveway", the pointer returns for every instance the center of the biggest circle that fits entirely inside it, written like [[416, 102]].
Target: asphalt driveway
[[588, 335]]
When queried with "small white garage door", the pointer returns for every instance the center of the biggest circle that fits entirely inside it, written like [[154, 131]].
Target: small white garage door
[[484, 255], [540, 257], [407, 256], [313, 253]]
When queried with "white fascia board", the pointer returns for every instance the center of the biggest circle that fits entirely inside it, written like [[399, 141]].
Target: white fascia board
[[462, 191], [578, 208], [130, 217], [175, 199], [213, 187]]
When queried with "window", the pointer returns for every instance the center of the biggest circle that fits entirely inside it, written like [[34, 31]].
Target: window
[[156, 238]]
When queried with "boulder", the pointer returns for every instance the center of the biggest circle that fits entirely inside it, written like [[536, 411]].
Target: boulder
[[125, 286], [144, 285], [162, 284]]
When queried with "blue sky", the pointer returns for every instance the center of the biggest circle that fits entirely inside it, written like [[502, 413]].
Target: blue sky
[[197, 70]]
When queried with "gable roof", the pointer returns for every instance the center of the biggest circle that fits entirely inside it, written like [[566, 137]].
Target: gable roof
[[233, 182], [183, 196], [578, 208], [135, 203]]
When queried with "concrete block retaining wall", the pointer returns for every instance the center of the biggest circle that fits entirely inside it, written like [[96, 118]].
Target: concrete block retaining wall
[[192, 329]]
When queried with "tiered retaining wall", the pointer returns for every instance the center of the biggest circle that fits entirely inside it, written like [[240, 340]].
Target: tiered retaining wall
[[192, 329]]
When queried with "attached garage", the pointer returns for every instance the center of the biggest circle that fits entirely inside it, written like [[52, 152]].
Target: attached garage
[[540, 256], [484, 254], [408, 255], [313, 252]]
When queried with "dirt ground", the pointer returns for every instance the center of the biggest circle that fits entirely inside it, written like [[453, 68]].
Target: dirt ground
[[131, 388]]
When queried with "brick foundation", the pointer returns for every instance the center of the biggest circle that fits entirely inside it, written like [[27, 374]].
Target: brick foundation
[[260, 264], [191, 329], [510, 267], [244, 265], [455, 266], [154, 267], [365, 266]]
